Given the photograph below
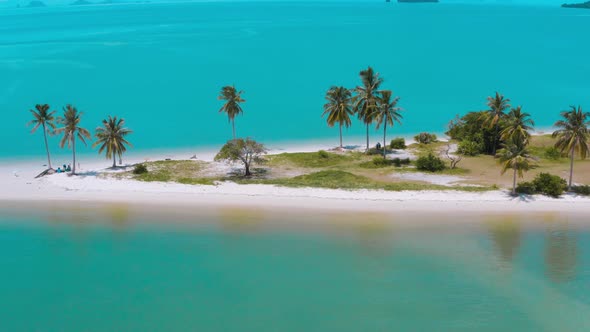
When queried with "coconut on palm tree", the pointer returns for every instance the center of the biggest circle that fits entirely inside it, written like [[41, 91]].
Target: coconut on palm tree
[[515, 156], [498, 105], [572, 135], [111, 138], [71, 130], [232, 106], [387, 113], [518, 125], [338, 108], [43, 118], [367, 96]]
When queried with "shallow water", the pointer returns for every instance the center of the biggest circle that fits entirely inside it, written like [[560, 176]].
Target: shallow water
[[111, 268], [161, 65]]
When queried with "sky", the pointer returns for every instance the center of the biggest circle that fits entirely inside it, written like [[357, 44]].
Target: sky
[[13, 3]]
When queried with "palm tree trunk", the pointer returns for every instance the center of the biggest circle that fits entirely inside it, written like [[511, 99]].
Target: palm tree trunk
[[571, 167], [341, 135], [495, 139], [367, 137], [384, 133], [46, 146], [73, 154], [514, 183], [114, 160], [247, 169], [233, 127]]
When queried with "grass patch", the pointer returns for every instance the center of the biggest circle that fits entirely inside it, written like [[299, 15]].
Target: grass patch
[[181, 171], [336, 179], [312, 159]]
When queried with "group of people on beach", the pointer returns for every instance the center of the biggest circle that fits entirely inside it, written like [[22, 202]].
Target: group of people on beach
[[64, 169]]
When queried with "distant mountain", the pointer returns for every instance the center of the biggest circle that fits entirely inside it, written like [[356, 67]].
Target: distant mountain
[[577, 5], [36, 4]]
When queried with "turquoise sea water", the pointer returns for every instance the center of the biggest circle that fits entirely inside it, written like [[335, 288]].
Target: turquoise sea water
[[161, 66], [113, 270]]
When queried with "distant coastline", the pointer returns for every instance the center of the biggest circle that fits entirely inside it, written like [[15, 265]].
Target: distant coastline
[[584, 5]]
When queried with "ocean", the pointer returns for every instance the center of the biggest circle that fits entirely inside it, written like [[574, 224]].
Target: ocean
[[113, 268], [161, 66]]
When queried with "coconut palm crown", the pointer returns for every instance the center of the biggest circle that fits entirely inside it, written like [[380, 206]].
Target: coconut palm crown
[[572, 135], [367, 96], [387, 113], [338, 107], [518, 126], [71, 130], [232, 106], [45, 119], [111, 138]]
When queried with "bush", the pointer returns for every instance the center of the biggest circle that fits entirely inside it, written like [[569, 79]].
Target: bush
[[470, 148], [425, 138], [471, 127], [552, 153], [398, 143], [550, 185], [397, 162], [323, 154], [430, 163], [581, 190], [140, 169], [527, 188], [381, 162]]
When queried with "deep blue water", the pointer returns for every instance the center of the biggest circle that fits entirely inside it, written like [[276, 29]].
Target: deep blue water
[[112, 269], [161, 66]]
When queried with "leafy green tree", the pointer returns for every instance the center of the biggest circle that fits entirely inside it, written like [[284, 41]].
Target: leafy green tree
[[367, 97], [245, 151], [71, 130], [387, 113], [111, 138], [45, 119], [572, 135], [518, 125], [492, 117], [338, 108], [232, 106], [471, 127], [515, 156]]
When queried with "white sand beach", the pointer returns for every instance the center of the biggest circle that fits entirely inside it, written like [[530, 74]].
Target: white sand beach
[[19, 185]]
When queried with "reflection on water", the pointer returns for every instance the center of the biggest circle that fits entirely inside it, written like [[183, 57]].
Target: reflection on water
[[506, 237], [561, 253]]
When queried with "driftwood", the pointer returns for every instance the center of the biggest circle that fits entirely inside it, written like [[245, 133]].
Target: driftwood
[[48, 171], [455, 159]]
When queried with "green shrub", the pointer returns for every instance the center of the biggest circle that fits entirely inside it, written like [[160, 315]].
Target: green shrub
[[425, 138], [581, 190], [430, 163], [381, 162], [398, 143], [140, 169], [552, 153], [470, 148], [550, 185], [527, 188], [397, 162], [323, 154], [472, 127]]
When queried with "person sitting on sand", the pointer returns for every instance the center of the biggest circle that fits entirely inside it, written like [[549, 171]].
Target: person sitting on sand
[[58, 170], [69, 169]]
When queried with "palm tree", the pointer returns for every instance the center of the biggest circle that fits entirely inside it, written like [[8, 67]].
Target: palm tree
[[232, 107], [518, 126], [573, 135], [111, 138], [387, 113], [515, 155], [338, 107], [71, 129], [366, 99], [497, 104], [43, 118]]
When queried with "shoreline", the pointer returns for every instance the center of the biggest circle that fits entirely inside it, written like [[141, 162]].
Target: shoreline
[[19, 185]]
